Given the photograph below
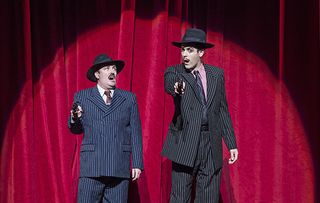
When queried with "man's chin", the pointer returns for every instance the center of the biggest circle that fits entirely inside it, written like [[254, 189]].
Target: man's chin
[[112, 85], [188, 66]]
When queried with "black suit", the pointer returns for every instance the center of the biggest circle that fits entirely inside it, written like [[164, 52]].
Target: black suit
[[183, 138]]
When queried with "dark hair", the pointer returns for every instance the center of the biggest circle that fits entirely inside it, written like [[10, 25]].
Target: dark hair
[[194, 45]]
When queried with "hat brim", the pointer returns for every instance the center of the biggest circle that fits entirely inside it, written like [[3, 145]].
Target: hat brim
[[193, 44], [90, 74]]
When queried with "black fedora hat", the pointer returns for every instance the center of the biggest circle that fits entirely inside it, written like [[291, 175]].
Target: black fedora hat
[[101, 61], [194, 37]]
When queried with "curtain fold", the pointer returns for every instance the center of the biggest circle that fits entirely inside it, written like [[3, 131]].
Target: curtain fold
[[270, 55]]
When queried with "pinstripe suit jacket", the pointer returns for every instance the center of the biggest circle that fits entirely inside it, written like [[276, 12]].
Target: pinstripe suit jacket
[[182, 139], [111, 134]]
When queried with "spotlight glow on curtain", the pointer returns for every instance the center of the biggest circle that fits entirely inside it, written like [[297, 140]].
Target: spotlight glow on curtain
[[54, 44]]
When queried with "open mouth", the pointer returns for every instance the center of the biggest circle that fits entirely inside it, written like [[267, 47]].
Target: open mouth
[[112, 76], [186, 61]]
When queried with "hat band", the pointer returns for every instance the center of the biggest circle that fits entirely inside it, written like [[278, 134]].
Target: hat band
[[192, 39]]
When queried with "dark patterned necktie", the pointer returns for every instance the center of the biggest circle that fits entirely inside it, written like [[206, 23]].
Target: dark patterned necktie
[[200, 87], [204, 120], [108, 94]]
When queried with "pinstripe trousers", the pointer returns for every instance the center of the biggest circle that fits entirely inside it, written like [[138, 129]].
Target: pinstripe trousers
[[103, 189], [207, 180]]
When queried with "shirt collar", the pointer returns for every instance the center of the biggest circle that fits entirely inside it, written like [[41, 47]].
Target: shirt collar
[[101, 90], [200, 69]]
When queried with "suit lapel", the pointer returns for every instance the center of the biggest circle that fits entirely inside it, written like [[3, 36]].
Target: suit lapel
[[191, 80], [97, 100], [211, 84], [117, 99]]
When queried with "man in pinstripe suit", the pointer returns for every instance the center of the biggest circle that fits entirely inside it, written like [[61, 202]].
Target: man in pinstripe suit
[[109, 119], [200, 122]]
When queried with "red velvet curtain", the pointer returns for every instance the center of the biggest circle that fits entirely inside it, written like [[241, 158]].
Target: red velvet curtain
[[268, 49]]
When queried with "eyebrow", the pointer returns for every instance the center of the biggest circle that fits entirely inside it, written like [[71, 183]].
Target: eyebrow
[[187, 47]]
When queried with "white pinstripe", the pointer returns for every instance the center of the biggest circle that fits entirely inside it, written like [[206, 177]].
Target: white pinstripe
[[184, 129], [181, 144], [112, 134]]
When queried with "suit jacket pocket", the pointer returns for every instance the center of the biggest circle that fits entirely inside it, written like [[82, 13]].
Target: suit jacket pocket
[[87, 147]]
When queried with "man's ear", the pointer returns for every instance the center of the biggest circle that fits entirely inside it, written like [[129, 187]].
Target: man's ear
[[201, 52], [96, 74]]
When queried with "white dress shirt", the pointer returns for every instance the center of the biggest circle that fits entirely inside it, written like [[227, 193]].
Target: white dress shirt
[[101, 91]]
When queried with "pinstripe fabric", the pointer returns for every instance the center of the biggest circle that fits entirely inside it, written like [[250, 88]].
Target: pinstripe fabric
[[194, 153], [112, 134], [104, 189], [181, 145], [207, 180]]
